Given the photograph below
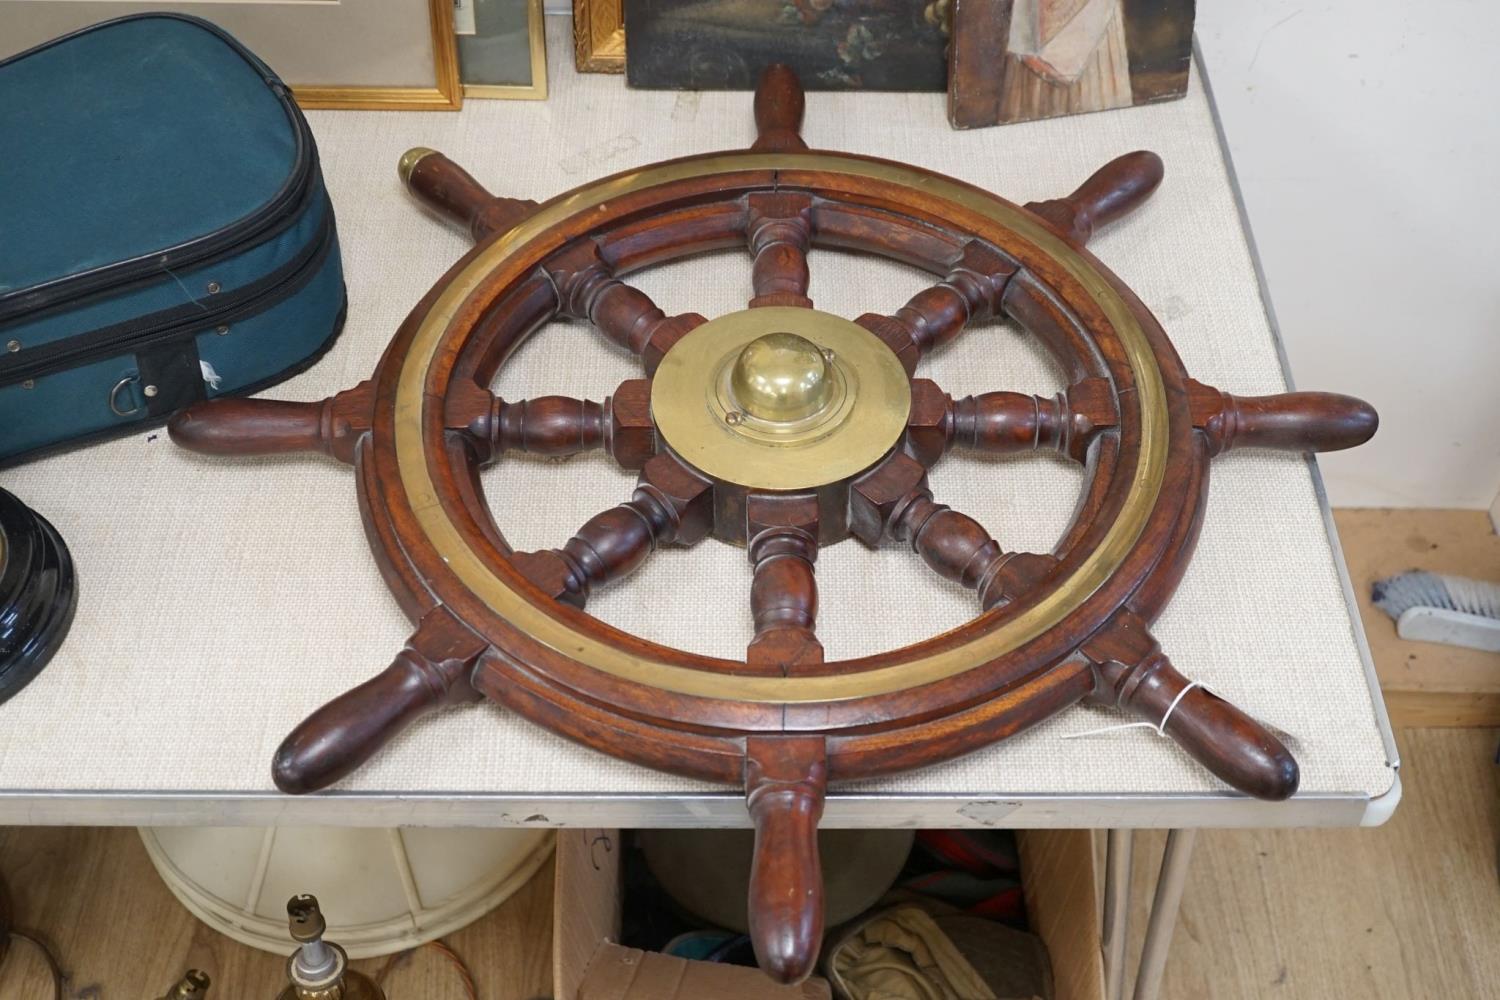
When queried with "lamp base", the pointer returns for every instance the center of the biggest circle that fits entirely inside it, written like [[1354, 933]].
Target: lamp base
[[38, 594]]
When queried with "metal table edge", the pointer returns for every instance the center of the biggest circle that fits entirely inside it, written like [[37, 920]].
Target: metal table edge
[[700, 809], [1372, 680]]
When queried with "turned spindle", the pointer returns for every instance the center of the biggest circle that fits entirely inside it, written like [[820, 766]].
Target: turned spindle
[[430, 673], [1134, 674], [779, 233], [784, 598], [1288, 421], [779, 104], [1112, 192], [671, 504], [786, 778], [971, 293], [269, 427], [452, 193], [587, 289]]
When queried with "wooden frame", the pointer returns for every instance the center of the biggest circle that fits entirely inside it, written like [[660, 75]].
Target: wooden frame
[[536, 23], [599, 36], [263, 27], [446, 95]]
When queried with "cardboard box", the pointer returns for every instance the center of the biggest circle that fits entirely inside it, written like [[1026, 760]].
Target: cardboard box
[[1058, 876]]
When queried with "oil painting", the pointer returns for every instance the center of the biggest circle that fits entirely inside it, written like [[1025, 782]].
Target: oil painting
[[832, 44], [1020, 60]]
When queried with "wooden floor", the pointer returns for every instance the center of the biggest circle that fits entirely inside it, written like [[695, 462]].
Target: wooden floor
[[1425, 684], [1408, 910], [122, 936]]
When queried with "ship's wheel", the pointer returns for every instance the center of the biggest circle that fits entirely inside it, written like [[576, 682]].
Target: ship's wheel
[[783, 429]]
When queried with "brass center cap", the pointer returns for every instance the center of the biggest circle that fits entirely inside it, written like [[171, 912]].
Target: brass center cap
[[782, 377], [780, 398]]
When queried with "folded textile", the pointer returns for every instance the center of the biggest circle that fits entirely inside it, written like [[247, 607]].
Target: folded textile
[[908, 953]]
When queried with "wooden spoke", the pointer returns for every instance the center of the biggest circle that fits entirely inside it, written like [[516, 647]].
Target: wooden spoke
[[779, 231], [783, 547], [431, 672], [332, 426], [1003, 422], [1132, 672], [971, 292], [671, 505], [557, 425], [895, 500], [786, 779], [779, 104], [1111, 192], [451, 192], [587, 289], [1288, 421]]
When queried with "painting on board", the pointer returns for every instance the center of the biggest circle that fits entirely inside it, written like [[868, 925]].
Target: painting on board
[[832, 44], [1020, 60]]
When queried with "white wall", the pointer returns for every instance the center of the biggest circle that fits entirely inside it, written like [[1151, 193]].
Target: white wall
[[1366, 137]]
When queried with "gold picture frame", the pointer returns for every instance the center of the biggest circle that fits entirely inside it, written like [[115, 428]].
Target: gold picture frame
[[446, 95], [289, 36], [599, 36], [536, 25]]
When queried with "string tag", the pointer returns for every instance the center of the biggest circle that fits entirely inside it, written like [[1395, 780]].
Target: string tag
[[1159, 727]]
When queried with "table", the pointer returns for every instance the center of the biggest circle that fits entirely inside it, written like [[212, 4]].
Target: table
[[223, 600]]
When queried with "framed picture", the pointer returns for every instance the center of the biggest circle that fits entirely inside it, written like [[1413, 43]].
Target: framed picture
[[599, 36], [397, 55], [506, 56], [1020, 60], [723, 44]]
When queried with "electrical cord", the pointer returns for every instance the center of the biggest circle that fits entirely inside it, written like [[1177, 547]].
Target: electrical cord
[[401, 957]]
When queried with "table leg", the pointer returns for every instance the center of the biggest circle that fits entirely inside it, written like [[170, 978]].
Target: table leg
[[1164, 907], [1117, 861]]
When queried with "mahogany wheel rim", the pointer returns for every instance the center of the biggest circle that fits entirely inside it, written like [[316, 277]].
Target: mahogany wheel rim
[[706, 685], [1057, 627]]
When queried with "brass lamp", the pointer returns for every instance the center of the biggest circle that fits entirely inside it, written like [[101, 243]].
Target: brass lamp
[[192, 986], [318, 969]]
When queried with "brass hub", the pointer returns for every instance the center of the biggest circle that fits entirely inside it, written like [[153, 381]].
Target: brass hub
[[782, 378], [781, 398]]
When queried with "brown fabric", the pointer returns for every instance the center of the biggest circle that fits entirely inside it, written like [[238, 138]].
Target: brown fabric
[[926, 950], [902, 954]]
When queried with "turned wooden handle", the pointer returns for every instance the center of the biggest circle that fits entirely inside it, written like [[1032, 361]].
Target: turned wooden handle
[[453, 193], [249, 427], [1111, 192], [785, 782], [347, 731], [1231, 744], [779, 105], [1135, 674], [1289, 421], [432, 671]]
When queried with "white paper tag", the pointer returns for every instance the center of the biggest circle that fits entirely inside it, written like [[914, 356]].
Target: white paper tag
[[463, 17]]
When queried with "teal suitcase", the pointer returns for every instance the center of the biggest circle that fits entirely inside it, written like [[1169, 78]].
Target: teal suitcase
[[165, 235]]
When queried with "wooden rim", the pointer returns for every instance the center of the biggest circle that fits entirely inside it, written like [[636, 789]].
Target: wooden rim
[[466, 573]]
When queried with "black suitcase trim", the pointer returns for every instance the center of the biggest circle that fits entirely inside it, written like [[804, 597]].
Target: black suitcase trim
[[271, 218], [153, 423], [182, 321]]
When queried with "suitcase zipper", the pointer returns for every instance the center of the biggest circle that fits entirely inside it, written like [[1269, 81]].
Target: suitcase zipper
[[272, 217], [127, 338]]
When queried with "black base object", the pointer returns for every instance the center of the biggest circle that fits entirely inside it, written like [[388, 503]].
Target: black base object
[[38, 593]]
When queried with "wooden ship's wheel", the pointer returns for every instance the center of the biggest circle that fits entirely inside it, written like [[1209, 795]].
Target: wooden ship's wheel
[[783, 429]]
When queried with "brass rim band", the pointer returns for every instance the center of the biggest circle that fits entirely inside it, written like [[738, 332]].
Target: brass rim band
[[515, 607]]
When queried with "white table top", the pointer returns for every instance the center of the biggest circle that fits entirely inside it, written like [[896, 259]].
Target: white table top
[[222, 600]]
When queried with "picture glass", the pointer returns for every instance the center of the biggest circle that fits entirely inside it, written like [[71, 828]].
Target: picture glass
[[498, 54]]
